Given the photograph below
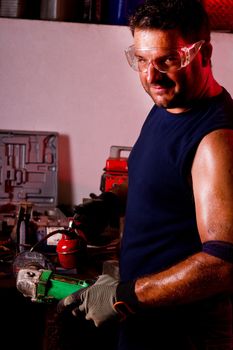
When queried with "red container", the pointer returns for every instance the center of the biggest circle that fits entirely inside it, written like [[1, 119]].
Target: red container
[[69, 250], [116, 169]]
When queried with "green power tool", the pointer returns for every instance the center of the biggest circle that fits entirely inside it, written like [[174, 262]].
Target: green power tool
[[36, 279]]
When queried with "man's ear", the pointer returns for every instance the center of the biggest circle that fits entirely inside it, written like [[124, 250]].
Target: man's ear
[[206, 51]]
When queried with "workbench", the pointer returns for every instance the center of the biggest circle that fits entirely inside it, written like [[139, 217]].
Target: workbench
[[28, 325]]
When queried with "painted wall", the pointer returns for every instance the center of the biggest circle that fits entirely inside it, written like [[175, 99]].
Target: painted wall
[[73, 78]]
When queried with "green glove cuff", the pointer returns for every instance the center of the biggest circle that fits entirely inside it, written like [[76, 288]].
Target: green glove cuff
[[125, 293]]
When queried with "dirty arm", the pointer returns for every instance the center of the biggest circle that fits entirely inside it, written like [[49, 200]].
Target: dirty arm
[[201, 275]]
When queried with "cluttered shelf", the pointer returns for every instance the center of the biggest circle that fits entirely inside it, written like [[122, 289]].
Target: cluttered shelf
[[114, 12], [84, 11]]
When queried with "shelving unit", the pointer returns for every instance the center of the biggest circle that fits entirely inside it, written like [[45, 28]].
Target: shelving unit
[[84, 11]]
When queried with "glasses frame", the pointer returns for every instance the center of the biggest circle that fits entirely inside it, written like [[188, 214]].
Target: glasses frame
[[186, 53]]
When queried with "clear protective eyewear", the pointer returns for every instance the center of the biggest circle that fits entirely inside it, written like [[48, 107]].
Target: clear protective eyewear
[[170, 61]]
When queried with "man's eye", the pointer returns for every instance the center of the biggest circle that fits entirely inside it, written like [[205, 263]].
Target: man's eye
[[141, 60], [171, 60]]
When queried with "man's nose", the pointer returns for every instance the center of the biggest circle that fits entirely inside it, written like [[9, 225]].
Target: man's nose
[[152, 73]]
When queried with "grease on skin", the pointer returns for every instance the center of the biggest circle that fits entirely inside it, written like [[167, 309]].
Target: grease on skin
[[182, 283]]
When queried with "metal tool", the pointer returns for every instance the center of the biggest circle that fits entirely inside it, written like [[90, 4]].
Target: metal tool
[[37, 279], [46, 286]]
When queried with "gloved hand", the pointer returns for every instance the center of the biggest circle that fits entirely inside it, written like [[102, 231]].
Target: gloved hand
[[102, 301], [95, 214]]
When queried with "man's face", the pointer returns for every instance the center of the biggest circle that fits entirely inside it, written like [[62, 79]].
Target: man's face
[[174, 91]]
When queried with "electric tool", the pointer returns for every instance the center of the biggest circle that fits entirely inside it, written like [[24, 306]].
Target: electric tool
[[37, 279]]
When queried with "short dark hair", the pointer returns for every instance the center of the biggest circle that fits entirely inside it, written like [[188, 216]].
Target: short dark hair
[[188, 16]]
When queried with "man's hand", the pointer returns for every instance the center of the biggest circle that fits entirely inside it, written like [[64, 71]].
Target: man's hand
[[107, 299], [97, 301]]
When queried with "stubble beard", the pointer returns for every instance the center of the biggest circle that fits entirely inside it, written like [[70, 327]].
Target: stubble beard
[[169, 100]]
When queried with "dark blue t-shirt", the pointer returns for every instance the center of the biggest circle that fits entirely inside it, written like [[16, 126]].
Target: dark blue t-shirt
[[160, 223]]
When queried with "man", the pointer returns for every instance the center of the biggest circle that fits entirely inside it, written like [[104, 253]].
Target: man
[[176, 268]]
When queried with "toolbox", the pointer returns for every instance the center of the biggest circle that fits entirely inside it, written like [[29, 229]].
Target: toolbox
[[29, 188]]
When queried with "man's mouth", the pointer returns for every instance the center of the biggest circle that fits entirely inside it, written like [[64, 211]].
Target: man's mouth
[[162, 85], [160, 89]]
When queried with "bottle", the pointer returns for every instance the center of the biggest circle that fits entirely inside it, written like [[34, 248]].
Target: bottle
[[71, 248], [117, 12]]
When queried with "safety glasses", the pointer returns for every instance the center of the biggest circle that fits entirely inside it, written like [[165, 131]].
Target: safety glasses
[[167, 60]]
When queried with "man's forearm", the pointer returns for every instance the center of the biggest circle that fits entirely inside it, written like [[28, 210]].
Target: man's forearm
[[195, 278]]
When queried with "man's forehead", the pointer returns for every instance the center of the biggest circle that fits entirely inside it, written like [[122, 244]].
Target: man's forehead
[[149, 38]]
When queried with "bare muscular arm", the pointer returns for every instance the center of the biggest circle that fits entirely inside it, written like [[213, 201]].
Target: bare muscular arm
[[201, 275]]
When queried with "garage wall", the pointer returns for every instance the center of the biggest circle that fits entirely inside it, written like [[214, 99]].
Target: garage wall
[[73, 78]]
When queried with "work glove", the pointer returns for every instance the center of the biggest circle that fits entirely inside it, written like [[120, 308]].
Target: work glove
[[107, 299], [96, 213]]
